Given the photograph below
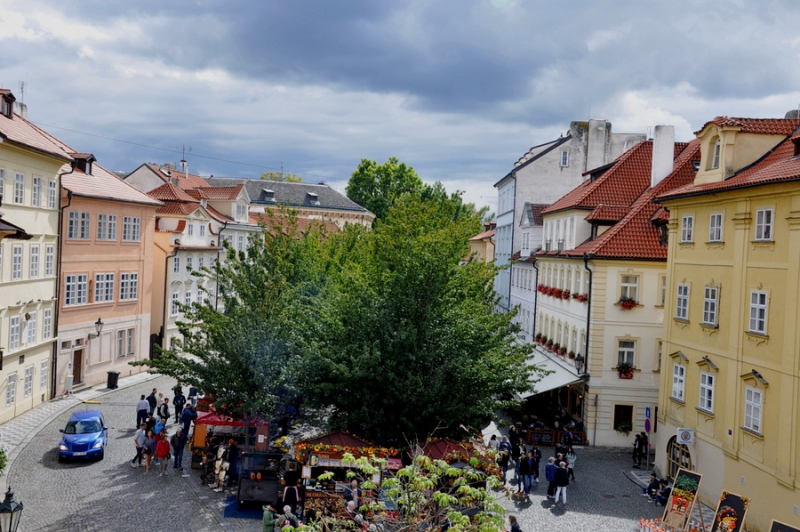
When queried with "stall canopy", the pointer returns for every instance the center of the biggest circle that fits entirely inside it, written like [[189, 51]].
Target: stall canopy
[[559, 376], [213, 418], [342, 439], [442, 449]]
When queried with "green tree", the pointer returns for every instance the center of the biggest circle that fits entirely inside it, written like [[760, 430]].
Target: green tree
[[378, 186], [282, 176], [241, 347], [407, 341]]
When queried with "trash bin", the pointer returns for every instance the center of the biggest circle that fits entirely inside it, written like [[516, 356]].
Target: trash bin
[[113, 378]]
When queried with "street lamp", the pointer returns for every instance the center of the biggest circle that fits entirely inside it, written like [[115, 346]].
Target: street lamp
[[579, 360], [98, 326], [10, 513]]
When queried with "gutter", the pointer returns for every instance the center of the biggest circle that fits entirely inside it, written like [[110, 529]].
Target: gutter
[[166, 306], [535, 285], [216, 281], [513, 226], [586, 258], [60, 240]]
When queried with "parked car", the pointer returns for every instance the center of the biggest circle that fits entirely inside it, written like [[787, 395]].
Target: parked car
[[85, 436]]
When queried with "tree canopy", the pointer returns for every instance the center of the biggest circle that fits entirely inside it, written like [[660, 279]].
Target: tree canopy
[[282, 176], [407, 340], [378, 186]]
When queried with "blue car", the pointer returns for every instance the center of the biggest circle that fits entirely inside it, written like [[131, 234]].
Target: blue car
[[85, 436]]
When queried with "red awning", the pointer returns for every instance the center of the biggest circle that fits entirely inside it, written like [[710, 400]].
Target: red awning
[[213, 418]]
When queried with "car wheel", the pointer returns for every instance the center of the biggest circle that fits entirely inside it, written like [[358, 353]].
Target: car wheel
[[101, 455], [61, 458]]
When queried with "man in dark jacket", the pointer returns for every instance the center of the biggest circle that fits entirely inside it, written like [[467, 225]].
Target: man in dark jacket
[[152, 400], [537, 458], [178, 401], [550, 475], [561, 481], [187, 417], [526, 472], [178, 442]]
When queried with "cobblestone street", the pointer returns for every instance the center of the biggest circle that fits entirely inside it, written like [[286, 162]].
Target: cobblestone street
[[110, 495]]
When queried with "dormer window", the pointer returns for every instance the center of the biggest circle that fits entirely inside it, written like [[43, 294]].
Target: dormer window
[[715, 155], [88, 167], [796, 147], [312, 198], [7, 104], [268, 195]]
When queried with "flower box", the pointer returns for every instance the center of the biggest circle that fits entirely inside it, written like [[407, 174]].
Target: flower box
[[627, 303], [565, 294]]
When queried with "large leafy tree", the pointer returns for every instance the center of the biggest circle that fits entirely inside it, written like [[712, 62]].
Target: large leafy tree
[[407, 341], [378, 186], [240, 346]]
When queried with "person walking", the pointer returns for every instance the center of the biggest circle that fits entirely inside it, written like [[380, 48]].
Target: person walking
[[644, 448], [138, 440], [571, 458], [152, 401], [178, 442], [149, 449], [192, 395], [512, 520], [504, 456], [526, 470], [291, 497], [537, 458], [162, 453], [178, 402], [637, 442], [142, 407], [187, 417], [287, 518], [562, 481], [163, 410], [550, 475]]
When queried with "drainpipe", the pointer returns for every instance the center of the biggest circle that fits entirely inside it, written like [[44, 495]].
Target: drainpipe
[[586, 258], [216, 283], [513, 224], [53, 363], [535, 285], [167, 303]]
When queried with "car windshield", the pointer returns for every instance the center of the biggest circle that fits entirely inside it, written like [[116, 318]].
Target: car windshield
[[82, 427]]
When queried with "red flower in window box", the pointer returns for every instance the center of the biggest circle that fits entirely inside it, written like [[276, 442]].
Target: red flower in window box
[[565, 294], [583, 298], [627, 303], [625, 370]]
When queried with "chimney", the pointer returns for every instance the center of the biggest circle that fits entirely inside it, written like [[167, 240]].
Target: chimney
[[663, 153], [21, 109]]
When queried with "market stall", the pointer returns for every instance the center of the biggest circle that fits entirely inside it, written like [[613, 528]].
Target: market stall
[[213, 427], [324, 454], [455, 453]]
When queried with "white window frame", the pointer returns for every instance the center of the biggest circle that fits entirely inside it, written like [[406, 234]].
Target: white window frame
[[715, 154], [626, 354], [715, 221], [44, 375], [13, 333], [682, 302], [34, 262], [75, 286], [11, 390], [629, 286], [47, 323], [49, 260], [202, 229], [678, 381], [759, 307], [129, 343], [36, 198], [174, 309], [187, 295], [27, 388], [86, 225], [103, 287], [564, 160], [129, 286], [765, 219], [176, 265], [120, 343], [687, 228], [52, 193], [16, 262], [31, 328], [753, 409], [707, 392], [190, 229], [131, 228], [711, 305], [19, 188], [102, 226]]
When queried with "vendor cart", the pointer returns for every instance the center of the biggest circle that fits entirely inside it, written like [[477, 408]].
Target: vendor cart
[[222, 429], [260, 479]]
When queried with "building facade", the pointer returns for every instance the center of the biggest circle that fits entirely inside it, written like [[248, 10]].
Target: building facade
[[30, 166], [730, 365]]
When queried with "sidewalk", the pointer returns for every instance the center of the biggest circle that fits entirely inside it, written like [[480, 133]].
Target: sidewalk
[[642, 477], [16, 433]]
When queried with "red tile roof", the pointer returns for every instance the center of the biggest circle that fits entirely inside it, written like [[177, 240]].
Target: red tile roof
[[608, 213], [102, 184], [174, 207], [483, 235], [764, 126], [777, 166], [620, 185], [170, 192], [635, 237], [216, 193], [18, 130], [184, 181], [218, 216]]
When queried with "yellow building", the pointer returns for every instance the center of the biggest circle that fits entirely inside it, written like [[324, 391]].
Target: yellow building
[[481, 246], [730, 358]]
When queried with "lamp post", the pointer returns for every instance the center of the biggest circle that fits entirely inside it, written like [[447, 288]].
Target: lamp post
[[10, 513], [98, 326], [579, 360]]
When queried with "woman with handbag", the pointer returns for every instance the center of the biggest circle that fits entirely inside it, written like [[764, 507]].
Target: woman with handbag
[[162, 453], [149, 449]]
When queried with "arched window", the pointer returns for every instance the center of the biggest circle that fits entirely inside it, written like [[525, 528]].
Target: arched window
[[714, 155], [677, 456]]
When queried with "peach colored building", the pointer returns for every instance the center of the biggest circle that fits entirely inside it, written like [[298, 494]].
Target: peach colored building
[[106, 274]]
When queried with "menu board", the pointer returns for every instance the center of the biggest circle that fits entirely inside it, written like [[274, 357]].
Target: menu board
[[730, 513], [681, 501], [782, 527]]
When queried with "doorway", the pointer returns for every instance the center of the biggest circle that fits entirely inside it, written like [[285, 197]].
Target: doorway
[[77, 366]]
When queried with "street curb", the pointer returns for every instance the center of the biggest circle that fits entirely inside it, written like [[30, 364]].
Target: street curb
[[12, 456]]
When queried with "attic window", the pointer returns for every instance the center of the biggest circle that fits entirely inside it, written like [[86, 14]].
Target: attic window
[[714, 163], [696, 165], [267, 194], [796, 146], [88, 167], [312, 198], [7, 105]]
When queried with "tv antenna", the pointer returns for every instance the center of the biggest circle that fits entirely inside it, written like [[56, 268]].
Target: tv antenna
[[184, 150]]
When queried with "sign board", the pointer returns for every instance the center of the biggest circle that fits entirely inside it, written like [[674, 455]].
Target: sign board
[[647, 425], [681, 501], [685, 436], [647, 412], [782, 527], [730, 513]]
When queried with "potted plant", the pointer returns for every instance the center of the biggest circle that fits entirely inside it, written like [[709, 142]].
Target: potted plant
[[538, 337], [571, 354], [562, 351], [583, 298], [549, 344], [543, 340], [624, 427], [565, 294], [575, 295], [627, 303], [625, 370]]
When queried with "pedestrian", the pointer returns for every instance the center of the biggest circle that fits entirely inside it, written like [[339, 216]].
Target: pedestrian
[[178, 401], [178, 442], [232, 457], [192, 395], [644, 447], [513, 435], [287, 518], [138, 440], [493, 442], [268, 519], [550, 475], [512, 520], [151, 421], [159, 427], [351, 492], [664, 491], [637, 441], [518, 476], [152, 401], [537, 458], [562, 481], [503, 458], [162, 453], [187, 417], [567, 438], [142, 407], [149, 449], [571, 458], [652, 488], [526, 470], [163, 410]]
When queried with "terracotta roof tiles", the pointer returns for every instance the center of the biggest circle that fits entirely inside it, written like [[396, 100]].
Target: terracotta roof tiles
[[216, 193], [170, 192], [764, 126], [18, 130], [184, 180], [608, 213]]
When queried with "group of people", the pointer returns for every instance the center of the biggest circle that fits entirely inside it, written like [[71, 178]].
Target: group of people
[[151, 438], [657, 491], [558, 471], [641, 448]]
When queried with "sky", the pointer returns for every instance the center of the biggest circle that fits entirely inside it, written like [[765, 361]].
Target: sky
[[457, 89]]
